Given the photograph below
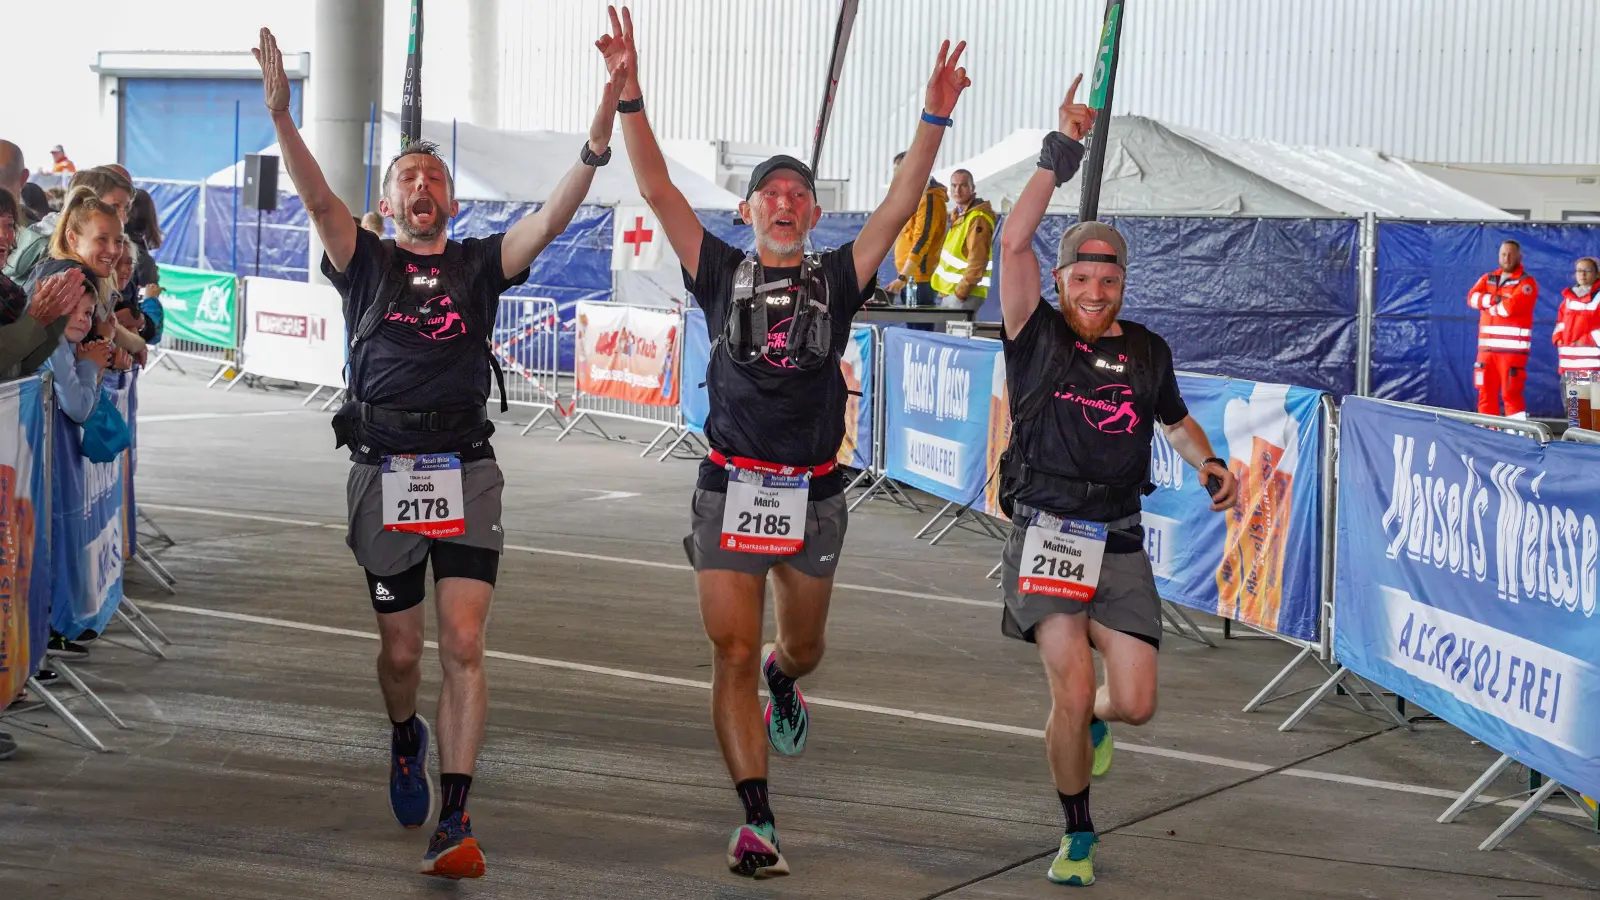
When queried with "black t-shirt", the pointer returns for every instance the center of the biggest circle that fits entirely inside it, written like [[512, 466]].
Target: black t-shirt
[[767, 409], [420, 358], [1093, 428]]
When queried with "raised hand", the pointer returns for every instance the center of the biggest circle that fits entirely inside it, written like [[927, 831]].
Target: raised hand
[[274, 82], [1076, 119], [621, 56], [56, 296], [606, 116], [948, 81]]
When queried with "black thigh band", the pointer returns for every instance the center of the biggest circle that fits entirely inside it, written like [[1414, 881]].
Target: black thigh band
[[452, 560], [399, 592]]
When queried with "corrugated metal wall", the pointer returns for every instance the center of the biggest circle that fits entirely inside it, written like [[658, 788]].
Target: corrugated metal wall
[[1480, 81]]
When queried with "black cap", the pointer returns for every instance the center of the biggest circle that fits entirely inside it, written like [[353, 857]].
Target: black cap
[[760, 173]]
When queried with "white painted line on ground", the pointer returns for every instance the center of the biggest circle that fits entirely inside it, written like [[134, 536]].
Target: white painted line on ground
[[195, 417], [993, 727], [609, 495], [257, 517]]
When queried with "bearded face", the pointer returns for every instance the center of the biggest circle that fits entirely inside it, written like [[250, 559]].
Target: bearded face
[[1091, 297], [418, 198], [782, 211]]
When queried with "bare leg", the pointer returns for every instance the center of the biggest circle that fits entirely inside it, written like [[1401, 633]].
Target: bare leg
[[731, 605], [801, 605], [1064, 649], [399, 661], [464, 698], [1129, 694]]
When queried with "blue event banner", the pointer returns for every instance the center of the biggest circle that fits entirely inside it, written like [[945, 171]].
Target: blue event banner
[[90, 516], [944, 412], [858, 366], [24, 533], [1467, 580], [1261, 562]]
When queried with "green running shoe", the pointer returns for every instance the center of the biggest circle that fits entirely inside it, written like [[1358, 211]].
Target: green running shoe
[[1074, 865], [1100, 735]]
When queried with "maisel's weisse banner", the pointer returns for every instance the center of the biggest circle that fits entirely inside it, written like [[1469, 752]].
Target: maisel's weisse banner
[[858, 366], [945, 414], [627, 353], [1467, 580], [24, 534], [91, 524], [1260, 563]]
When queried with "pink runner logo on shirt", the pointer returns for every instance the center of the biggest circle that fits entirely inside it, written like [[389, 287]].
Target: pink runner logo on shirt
[[1110, 409], [778, 345]]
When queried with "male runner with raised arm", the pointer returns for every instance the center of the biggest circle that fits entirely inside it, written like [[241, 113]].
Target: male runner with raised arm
[[424, 484], [1086, 389], [768, 498]]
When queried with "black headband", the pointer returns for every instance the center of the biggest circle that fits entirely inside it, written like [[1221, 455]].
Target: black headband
[[1097, 257]]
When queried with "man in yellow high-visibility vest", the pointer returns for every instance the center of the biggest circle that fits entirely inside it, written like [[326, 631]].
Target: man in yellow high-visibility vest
[[962, 278]]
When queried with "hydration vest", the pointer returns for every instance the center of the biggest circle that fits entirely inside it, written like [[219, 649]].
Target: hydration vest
[[1016, 469], [744, 333], [391, 286]]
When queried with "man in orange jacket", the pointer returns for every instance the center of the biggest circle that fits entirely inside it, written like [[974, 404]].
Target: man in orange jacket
[[1505, 299]]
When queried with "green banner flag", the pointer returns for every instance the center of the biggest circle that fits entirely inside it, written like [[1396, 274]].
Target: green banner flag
[[199, 306], [1102, 59]]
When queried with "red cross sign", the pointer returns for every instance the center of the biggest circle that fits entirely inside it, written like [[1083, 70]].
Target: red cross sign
[[639, 236]]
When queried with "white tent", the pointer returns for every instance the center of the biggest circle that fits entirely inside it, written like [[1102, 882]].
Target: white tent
[[523, 166], [1156, 169]]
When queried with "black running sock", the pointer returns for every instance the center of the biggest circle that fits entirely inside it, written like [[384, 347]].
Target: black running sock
[[454, 788], [407, 740], [1076, 809], [781, 685], [753, 794]]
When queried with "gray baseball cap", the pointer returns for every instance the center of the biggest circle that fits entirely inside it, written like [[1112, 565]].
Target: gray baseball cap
[[1075, 237]]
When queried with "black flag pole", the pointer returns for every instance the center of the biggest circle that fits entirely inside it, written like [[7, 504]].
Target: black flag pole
[[841, 40], [1105, 78], [411, 91]]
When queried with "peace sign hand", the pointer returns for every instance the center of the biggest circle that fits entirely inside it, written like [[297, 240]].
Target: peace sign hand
[[948, 81], [1076, 118], [621, 55], [274, 82]]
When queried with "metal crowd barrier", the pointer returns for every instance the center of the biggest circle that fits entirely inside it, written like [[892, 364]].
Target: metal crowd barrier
[[527, 335], [590, 407]]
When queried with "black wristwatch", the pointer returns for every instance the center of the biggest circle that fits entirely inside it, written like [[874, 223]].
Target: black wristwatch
[[1221, 462], [630, 106], [589, 159]]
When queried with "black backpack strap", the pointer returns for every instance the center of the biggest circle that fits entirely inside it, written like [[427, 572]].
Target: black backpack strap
[[1141, 353]]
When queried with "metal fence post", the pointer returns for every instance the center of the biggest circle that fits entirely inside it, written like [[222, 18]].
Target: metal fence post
[[1366, 303]]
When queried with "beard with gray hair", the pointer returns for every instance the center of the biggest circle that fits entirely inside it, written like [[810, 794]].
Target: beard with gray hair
[[765, 241]]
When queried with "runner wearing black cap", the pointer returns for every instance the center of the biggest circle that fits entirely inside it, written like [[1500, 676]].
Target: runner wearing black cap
[[1086, 389], [768, 497], [424, 485]]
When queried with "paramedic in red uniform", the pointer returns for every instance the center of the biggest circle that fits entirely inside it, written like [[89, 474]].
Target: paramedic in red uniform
[[1505, 299], [1577, 335]]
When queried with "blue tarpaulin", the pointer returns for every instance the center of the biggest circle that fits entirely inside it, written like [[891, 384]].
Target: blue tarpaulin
[[1257, 299], [1425, 336]]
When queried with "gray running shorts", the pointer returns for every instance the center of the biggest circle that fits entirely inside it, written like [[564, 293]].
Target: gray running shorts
[[392, 552], [818, 557], [1125, 601]]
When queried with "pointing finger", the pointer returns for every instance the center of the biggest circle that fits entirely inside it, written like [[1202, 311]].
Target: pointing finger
[[627, 24], [944, 51], [616, 23], [1071, 91]]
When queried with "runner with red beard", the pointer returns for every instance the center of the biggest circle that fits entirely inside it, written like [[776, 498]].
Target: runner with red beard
[[1086, 390]]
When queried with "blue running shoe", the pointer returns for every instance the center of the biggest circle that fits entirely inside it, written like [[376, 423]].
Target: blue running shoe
[[454, 853], [787, 720], [410, 787], [753, 852]]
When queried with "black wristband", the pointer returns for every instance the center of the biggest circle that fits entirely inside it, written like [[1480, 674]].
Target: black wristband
[[630, 106], [587, 157], [1212, 459], [1061, 155]]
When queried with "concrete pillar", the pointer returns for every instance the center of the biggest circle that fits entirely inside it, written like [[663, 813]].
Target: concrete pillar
[[483, 60], [346, 79]]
